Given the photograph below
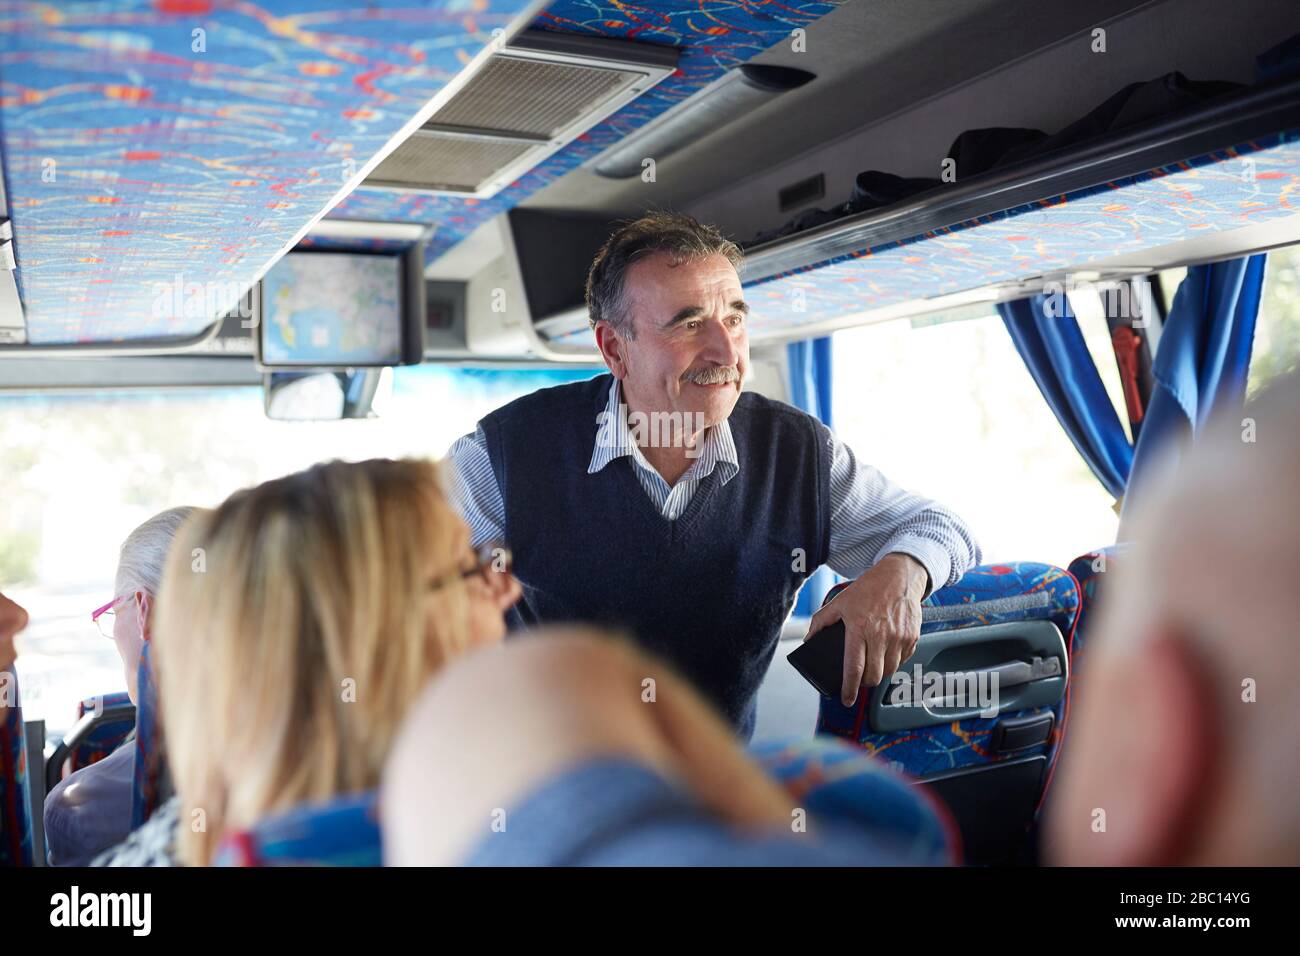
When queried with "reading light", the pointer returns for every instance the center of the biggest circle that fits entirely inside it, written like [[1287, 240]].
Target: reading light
[[736, 93]]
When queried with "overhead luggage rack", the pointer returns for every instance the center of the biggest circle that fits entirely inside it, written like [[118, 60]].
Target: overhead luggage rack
[[1146, 198], [1209, 183]]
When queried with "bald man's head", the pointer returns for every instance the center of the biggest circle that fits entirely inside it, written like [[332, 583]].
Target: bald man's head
[[1183, 749]]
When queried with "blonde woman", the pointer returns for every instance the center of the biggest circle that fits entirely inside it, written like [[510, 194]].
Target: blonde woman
[[297, 622]]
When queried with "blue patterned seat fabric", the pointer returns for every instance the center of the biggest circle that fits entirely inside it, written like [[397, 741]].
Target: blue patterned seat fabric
[[833, 779], [827, 778], [16, 847], [342, 832], [107, 735], [988, 594], [1088, 569], [150, 763]]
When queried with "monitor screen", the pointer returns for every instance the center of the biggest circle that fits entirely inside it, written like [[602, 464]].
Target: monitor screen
[[333, 309]]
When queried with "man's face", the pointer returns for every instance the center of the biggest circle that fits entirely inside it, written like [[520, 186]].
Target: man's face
[[691, 350]]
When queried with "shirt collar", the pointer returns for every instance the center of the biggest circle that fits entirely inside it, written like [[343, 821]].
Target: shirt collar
[[614, 440]]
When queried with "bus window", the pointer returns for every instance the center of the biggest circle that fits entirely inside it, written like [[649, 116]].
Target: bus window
[[83, 469], [950, 410]]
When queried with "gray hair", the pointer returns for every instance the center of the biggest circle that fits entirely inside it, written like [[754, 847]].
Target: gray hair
[[144, 552], [675, 234]]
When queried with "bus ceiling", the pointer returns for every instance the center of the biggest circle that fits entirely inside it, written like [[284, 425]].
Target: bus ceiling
[[199, 157]]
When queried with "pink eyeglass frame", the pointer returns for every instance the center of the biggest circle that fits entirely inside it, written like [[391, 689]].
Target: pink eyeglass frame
[[100, 611]]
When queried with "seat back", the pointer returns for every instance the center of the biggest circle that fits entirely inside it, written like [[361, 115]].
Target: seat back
[[1090, 570], [827, 778], [16, 833], [150, 781], [112, 719], [342, 832], [991, 769], [104, 723], [832, 779]]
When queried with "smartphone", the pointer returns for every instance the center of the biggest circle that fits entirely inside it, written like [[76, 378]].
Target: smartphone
[[820, 660]]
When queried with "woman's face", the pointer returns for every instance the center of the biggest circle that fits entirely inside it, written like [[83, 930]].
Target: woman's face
[[491, 590]]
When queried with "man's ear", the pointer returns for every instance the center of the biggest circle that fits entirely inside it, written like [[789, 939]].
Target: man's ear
[[144, 606], [1145, 773], [611, 349]]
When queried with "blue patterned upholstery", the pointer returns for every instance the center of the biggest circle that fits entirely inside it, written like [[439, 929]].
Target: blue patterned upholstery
[[342, 832], [236, 149], [15, 794], [1088, 570], [150, 764], [826, 777], [833, 779], [106, 736], [988, 594]]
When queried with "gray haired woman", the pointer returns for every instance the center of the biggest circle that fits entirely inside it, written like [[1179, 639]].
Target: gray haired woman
[[90, 810]]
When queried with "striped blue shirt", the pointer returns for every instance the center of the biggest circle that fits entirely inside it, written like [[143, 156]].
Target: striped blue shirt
[[870, 516]]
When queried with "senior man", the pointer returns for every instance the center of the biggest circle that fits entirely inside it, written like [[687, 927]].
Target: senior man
[[696, 533]]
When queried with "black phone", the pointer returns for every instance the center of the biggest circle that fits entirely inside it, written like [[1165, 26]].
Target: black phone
[[820, 660]]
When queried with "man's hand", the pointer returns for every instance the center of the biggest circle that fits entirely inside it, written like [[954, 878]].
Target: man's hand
[[12, 620], [881, 612]]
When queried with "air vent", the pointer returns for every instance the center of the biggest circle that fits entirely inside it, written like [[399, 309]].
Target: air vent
[[804, 191], [530, 99]]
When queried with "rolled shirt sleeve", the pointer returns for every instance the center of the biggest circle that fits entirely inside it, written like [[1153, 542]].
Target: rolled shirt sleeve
[[872, 517]]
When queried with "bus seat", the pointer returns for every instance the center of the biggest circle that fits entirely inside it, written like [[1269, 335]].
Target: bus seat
[[150, 763], [104, 723], [991, 771], [16, 834], [833, 779], [828, 778], [341, 832], [1088, 570]]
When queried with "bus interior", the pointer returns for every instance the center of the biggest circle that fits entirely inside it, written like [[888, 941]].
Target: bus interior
[[243, 238]]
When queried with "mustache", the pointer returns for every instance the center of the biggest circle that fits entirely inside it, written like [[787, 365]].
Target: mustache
[[713, 376]]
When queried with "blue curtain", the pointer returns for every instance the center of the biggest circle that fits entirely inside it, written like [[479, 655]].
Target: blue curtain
[[1058, 359], [1200, 368], [810, 389], [1202, 360]]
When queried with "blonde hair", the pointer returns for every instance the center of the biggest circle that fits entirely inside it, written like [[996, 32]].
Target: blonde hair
[[290, 644]]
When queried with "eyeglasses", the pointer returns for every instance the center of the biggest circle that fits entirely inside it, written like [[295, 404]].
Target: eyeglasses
[[103, 617], [491, 561]]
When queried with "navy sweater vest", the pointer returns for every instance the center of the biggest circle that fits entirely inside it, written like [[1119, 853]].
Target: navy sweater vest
[[707, 592]]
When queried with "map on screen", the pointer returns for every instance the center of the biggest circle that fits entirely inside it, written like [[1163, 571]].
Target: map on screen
[[332, 309]]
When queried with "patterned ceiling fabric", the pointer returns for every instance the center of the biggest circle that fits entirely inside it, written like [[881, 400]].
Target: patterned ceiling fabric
[[138, 151], [1252, 183], [1213, 193], [712, 35]]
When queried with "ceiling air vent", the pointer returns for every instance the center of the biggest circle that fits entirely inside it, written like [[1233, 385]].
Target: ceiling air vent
[[531, 98]]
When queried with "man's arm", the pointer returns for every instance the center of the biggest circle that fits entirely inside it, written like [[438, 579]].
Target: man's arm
[[872, 517], [473, 490], [899, 547]]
